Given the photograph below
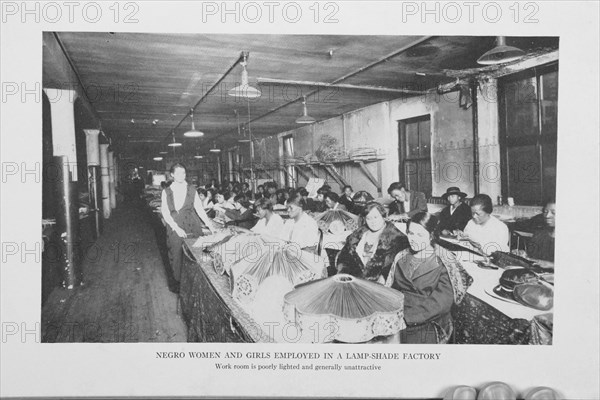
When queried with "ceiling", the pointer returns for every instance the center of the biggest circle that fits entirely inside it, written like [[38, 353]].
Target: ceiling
[[159, 77]]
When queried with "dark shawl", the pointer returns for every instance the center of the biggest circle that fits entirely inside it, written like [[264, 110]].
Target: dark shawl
[[391, 242]]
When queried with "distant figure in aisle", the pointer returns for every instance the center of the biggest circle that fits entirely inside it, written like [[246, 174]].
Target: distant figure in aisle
[[456, 215], [406, 202], [184, 214]]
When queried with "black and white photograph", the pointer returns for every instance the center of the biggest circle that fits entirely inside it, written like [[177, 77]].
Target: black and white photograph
[[200, 193], [285, 188]]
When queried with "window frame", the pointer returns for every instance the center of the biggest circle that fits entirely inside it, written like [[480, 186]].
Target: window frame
[[539, 140]]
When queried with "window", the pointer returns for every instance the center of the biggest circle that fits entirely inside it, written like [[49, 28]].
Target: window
[[528, 134], [415, 153], [291, 176]]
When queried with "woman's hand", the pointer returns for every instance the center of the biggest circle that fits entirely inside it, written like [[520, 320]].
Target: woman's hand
[[180, 232]]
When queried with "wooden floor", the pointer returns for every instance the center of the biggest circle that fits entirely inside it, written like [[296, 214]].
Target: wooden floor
[[125, 296]]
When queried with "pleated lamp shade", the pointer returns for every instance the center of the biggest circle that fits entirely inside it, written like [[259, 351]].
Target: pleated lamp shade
[[229, 246], [350, 309], [496, 391], [325, 219], [288, 261]]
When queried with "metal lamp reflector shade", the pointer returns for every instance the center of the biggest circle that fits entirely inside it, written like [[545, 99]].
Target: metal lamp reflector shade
[[305, 118], [193, 133], [215, 149], [501, 53], [174, 143], [244, 89]]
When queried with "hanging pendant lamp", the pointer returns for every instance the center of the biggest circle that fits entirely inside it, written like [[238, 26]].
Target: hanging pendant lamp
[[305, 118], [244, 89], [193, 133], [174, 143], [501, 53], [215, 149]]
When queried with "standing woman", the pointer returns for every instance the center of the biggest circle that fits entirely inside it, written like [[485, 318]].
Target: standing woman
[[431, 280], [183, 213]]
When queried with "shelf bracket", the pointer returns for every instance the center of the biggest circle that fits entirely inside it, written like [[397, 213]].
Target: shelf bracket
[[335, 174], [369, 175]]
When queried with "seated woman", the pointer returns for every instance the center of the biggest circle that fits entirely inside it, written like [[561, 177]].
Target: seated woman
[[269, 223], [431, 280], [222, 202], [260, 192], [346, 198], [485, 232], [280, 193], [361, 199], [406, 202], [205, 197], [242, 216], [456, 215], [301, 228], [332, 201], [370, 250], [541, 245]]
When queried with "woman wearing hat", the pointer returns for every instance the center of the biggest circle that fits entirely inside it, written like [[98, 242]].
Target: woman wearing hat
[[454, 217]]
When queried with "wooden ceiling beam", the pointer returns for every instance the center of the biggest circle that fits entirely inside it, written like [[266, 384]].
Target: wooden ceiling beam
[[340, 86]]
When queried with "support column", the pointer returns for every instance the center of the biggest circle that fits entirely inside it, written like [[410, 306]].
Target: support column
[[219, 169], [67, 224], [62, 112], [490, 181], [111, 179], [105, 181], [93, 160]]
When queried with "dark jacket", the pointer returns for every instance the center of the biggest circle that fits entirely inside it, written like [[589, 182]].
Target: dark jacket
[[427, 291], [457, 220], [418, 203], [246, 220], [348, 203], [391, 242]]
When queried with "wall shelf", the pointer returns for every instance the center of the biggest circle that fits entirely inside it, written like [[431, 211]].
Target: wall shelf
[[331, 168]]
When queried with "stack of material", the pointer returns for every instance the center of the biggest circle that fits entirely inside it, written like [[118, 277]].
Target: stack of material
[[364, 153], [345, 309], [328, 151]]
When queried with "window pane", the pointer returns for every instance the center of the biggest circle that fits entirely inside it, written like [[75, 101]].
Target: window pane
[[424, 138], [411, 174], [521, 102], [524, 178], [425, 177], [549, 175], [549, 98], [412, 139]]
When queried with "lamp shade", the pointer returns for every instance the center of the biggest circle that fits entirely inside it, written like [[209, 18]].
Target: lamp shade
[[305, 118], [244, 89], [501, 53], [358, 309], [193, 133]]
